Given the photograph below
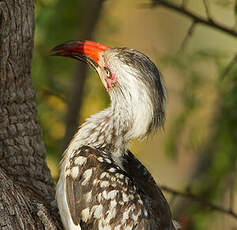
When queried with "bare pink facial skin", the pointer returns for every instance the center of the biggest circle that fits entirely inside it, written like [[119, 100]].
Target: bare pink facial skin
[[111, 81]]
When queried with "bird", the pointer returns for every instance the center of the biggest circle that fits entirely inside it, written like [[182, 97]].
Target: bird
[[102, 185]]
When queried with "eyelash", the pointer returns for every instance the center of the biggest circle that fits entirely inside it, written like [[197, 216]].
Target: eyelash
[[108, 73]]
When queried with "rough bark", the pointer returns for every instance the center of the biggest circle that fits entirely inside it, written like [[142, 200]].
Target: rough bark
[[24, 175], [92, 10]]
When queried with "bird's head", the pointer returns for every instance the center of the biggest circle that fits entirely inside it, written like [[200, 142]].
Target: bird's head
[[130, 77]]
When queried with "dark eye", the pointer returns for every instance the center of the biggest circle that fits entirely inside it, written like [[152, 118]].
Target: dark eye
[[107, 72]]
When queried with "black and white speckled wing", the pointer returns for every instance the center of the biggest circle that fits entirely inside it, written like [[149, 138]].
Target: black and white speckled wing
[[102, 196]]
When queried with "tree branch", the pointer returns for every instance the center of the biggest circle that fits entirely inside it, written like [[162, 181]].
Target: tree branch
[[229, 67], [208, 22], [235, 13], [206, 5], [198, 199], [187, 36]]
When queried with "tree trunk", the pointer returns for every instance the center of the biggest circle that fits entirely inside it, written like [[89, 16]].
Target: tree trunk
[[24, 175]]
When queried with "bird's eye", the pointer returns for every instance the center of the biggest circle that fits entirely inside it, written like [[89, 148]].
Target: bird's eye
[[107, 72]]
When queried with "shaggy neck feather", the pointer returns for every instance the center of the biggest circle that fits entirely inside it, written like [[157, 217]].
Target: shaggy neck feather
[[127, 118]]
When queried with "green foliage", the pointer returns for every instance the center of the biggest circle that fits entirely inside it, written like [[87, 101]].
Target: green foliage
[[193, 77], [218, 152], [56, 21]]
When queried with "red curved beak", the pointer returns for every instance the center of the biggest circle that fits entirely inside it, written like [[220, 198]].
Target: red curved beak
[[87, 51]]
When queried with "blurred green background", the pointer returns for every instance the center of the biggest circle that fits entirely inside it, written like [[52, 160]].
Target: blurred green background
[[197, 150]]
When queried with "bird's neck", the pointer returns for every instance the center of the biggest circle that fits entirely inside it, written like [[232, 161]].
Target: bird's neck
[[105, 130], [111, 129]]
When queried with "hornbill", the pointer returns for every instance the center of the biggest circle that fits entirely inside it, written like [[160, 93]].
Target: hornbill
[[102, 185]]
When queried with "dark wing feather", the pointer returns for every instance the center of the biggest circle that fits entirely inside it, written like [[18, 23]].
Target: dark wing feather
[[106, 195], [71, 198], [101, 195], [74, 189]]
